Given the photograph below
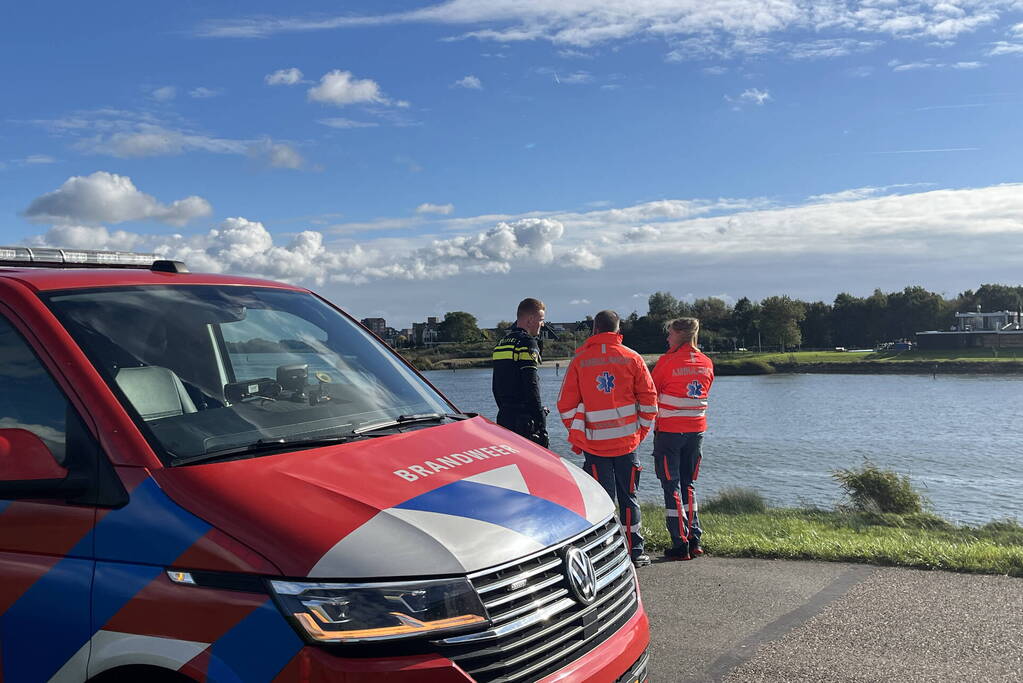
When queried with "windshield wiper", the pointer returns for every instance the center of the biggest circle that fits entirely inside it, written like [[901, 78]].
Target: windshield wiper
[[270, 445], [402, 420], [264, 446]]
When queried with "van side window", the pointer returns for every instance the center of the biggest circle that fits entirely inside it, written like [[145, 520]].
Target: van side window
[[29, 398]]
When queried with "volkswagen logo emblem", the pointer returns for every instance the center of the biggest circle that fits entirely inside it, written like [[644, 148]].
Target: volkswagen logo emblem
[[582, 579]]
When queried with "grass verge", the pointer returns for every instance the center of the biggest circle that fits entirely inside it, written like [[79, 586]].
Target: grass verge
[[922, 541]]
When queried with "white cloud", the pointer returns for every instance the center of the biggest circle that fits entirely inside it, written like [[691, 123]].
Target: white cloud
[[858, 193], [202, 93], [164, 94], [442, 209], [579, 302], [827, 48], [583, 257], [128, 135], [753, 96], [150, 140], [277, 154], [1005, 48], [845, 231], [933, 64], [39, 159], [339, 122], [576, 78], [642, 233], [734, 26], [470, 82], [110, 198], [89, 237], [340, 88], [290, 76]]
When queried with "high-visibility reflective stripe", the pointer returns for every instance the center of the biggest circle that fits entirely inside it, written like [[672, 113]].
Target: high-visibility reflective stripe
[[681, 413], [633, 527], [612, 433], [647, 409], [569, 414], [503, 355], [524, 355], [577, 424], [504, 347], [679, 402], [682, 531], [610, 413], [690, 536], [668, 512], [628, 527], [606, 424], [646, 423]]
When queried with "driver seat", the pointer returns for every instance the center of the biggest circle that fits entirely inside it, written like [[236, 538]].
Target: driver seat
[[154, 392]]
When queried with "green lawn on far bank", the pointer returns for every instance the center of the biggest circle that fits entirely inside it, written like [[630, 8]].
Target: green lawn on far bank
[[951, 360], [937, 356], [920, 541]]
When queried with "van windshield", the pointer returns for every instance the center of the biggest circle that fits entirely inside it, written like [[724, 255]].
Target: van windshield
[[206, 369]]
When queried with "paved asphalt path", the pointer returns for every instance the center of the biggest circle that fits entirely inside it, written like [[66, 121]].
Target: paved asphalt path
[[738, 620]]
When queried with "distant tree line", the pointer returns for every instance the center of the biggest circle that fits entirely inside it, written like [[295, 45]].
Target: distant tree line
[[781, 322]]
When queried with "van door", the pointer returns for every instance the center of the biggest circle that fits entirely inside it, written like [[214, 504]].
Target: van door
[[46, 546]]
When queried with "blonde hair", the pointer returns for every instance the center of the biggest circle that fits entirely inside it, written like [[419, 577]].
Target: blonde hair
[[689, 328]]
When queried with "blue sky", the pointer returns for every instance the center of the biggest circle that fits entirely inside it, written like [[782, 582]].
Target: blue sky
[[409, 158]]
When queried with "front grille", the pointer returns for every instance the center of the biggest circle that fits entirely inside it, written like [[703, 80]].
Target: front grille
[[537, 626]]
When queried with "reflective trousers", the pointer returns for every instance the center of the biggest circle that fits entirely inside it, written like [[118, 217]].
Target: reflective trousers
[[619, 475], [677, 465]]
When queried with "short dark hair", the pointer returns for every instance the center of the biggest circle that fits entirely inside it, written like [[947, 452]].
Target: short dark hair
[[605, 321], [530, 307]]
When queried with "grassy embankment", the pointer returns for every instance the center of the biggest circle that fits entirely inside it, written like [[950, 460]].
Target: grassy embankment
[[751, 363], [952, 360], [920, 540]]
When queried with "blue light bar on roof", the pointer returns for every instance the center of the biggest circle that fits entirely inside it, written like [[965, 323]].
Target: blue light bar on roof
[[48, 256]]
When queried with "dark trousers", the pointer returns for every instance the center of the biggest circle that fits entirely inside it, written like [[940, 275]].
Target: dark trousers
[[530, 426], [677, 465], [619, 475]]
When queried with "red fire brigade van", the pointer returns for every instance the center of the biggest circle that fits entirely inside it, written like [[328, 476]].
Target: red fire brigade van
[[212, 478]]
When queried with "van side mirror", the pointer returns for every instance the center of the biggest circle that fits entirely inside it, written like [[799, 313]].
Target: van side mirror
[[28, 469]]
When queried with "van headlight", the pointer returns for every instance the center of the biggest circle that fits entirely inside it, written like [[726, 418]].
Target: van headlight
[[351, 612]]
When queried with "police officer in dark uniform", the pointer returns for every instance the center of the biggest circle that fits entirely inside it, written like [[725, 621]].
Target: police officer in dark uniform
[[516, 385]]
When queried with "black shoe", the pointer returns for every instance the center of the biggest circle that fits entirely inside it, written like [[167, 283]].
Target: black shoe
[[678, 553], [640, 560]]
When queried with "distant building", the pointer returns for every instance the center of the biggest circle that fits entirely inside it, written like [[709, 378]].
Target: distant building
[[998, 329], [426, 334], [377, 326]]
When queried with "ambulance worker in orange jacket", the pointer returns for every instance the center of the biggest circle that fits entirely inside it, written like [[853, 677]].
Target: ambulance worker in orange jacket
[[683, 377], [608, 403]]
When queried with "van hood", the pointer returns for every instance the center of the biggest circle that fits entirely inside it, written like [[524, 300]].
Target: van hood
[[449, 499]]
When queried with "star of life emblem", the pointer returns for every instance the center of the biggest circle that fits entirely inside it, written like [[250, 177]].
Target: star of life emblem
[[605, 382], [694, 389]]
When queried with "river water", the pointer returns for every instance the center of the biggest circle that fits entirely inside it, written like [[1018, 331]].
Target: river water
[[956, 436]]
